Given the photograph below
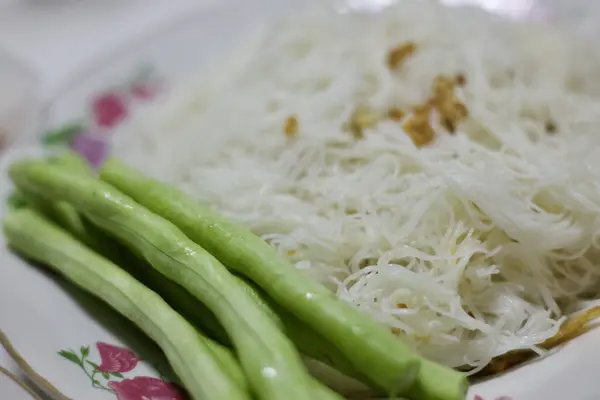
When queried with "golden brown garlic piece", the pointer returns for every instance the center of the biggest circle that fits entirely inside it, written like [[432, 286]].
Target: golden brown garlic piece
[[397, 331], [550, 127], [400, 53], [362, 118], [452, 110], [290, 126], [395, 114], [417, 126]]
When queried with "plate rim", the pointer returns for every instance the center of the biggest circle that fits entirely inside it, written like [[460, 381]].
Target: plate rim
[[9, 375]]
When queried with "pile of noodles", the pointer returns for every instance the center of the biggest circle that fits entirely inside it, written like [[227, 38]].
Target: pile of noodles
[[467, 246]]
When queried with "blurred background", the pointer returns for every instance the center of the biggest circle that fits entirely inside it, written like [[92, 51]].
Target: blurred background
[[43, 43]]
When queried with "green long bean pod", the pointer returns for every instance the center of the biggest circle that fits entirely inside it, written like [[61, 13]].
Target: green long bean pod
[[372, 349], [268, 358], [193, 361], [67, 218], [307, 341]]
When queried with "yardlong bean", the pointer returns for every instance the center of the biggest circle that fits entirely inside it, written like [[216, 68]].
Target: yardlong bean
[[371, 348], [68, 219], [268, 358], [190, 355], [307, 341]]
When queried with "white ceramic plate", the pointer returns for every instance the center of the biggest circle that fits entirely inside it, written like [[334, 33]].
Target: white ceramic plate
[[18, 105], [13, 388], [72, 346]]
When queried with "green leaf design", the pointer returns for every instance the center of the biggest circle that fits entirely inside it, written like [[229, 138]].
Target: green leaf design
[[92, 364], [85, 351], [69, 355], [96, 382], [105, 375], [117, 375], [63, 135]]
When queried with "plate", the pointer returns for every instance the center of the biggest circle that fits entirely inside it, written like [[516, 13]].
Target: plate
[[19, 107], [71, 345], [13, 388]]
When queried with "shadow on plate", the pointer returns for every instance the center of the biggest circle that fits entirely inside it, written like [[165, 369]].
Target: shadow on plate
[[129, 335]]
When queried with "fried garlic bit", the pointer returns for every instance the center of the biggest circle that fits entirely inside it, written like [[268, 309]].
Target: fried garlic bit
[[362, 118], [397, 331], [575, 326], [290, 126], [550, 127], [452, 110], [419, 338], [395, 114], [417, 126], [400, 53]]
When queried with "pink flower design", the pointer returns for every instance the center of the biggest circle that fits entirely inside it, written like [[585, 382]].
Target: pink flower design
[[108, 109], [116, 359], [92, 148], [145, 388]]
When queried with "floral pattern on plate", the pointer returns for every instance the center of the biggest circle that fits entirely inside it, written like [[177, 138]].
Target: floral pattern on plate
[[108, 375], [106, 110]]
